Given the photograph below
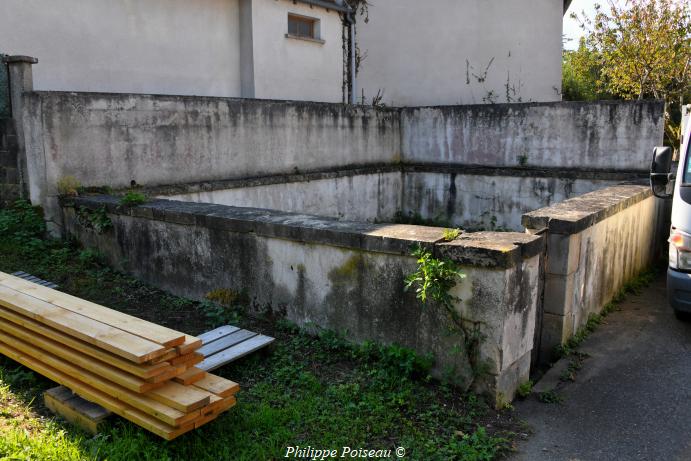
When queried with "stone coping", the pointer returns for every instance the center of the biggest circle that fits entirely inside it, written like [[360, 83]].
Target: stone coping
[[576, 214], [486, 249], [399, 167]]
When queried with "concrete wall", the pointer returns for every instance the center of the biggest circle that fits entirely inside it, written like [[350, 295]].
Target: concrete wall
[[575, 135], [374, 197], [290, 68], [471, 199], [595, 243], [481, 201], [461, 52], [343, 276], [114, 139]]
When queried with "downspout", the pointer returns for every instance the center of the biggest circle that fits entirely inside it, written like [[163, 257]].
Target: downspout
[[350, 19]]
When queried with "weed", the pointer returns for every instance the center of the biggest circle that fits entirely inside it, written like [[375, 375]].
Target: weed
[[133, 198], [97, 219], [525, 389], [550, 397], [523, 160], [68, 186], [451, 234]]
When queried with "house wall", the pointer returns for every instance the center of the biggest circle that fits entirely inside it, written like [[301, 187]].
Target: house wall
[[152, 46], [226, 48], [435, 53], [293, 69]]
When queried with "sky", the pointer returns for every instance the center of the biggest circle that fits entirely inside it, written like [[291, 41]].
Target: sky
[[571, 29]]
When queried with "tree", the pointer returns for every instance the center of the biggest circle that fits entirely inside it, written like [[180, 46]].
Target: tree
[[641, 49], [582, 75]]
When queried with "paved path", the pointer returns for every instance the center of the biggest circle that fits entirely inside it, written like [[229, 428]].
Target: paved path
[[632, 398]]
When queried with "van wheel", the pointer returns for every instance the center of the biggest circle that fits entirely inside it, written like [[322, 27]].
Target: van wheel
[[682, 315]]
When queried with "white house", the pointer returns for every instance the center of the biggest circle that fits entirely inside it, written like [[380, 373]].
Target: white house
[[434, 52], [269, 49], [441, 52]]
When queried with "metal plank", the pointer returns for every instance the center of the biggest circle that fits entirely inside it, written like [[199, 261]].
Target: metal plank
[[233, 353], [216, 334], [32, 278], [225, 342]]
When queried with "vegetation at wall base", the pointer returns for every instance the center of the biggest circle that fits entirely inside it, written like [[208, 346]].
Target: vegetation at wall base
[[309, 390]]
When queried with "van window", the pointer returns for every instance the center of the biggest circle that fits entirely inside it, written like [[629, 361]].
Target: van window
[[687, 168]]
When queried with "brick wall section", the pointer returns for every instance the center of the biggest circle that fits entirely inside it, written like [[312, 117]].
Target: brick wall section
[[9, 176]]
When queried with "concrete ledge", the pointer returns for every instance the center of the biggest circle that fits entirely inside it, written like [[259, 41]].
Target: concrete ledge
[[492, 249], [485, 249], [576, 214]]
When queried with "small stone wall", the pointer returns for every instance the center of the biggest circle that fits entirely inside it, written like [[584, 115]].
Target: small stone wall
[[9, 177], [595, 243], [343, 276]]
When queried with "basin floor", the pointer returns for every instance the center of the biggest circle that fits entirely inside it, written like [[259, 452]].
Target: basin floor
[[631, 400]]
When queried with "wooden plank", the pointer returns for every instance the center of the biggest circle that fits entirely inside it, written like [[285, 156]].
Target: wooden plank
[[191, 344], [91, 394], [188, 360], [76, 358], [69, 410], [154, 373], [217, 333], [235, 352], [147, 330], [182, 398], [91, 410], [143, 403], [225, 342], [225, 406], [117, 341], [190, 376], [218, 385]]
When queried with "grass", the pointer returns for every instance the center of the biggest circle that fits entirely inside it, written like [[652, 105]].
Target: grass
[[316, 391]]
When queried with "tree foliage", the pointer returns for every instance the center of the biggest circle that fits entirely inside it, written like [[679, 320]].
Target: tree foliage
[[635, 50]]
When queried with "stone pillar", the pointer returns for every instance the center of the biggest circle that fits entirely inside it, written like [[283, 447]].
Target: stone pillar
[[21, 81]]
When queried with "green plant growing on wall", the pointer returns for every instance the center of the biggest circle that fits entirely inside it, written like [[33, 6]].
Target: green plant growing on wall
[[68, 186], [451, 234], [132, 198], [97, 219], [433, 281]]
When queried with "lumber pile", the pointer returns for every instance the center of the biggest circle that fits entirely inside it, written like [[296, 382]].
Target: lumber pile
[[139, 370]]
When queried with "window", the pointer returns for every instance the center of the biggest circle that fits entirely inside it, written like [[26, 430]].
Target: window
[[303, 27]]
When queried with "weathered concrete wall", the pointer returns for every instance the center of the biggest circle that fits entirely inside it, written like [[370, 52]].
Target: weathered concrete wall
[[114, 139], [595, 243], [369, 197], [611, 135], [473, 199], [9, 177], [481, 201], [338, 275]]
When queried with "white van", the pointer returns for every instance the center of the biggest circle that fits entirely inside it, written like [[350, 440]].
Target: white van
[[667, 184]]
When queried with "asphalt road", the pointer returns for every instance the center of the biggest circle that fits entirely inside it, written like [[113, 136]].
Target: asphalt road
[[632, 398]]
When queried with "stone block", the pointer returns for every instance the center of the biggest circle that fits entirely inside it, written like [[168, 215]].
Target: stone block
[[558, 298], [563, 253]]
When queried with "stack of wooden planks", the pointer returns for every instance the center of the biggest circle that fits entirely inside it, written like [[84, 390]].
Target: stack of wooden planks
[[139, 370]]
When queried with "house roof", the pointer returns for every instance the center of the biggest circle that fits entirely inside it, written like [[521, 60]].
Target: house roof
[[328, 4]]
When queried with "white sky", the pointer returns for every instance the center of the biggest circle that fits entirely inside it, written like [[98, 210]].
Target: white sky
[[571, 29]]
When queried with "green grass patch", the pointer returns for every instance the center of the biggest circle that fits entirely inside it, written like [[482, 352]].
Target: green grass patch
[[308, 390]]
